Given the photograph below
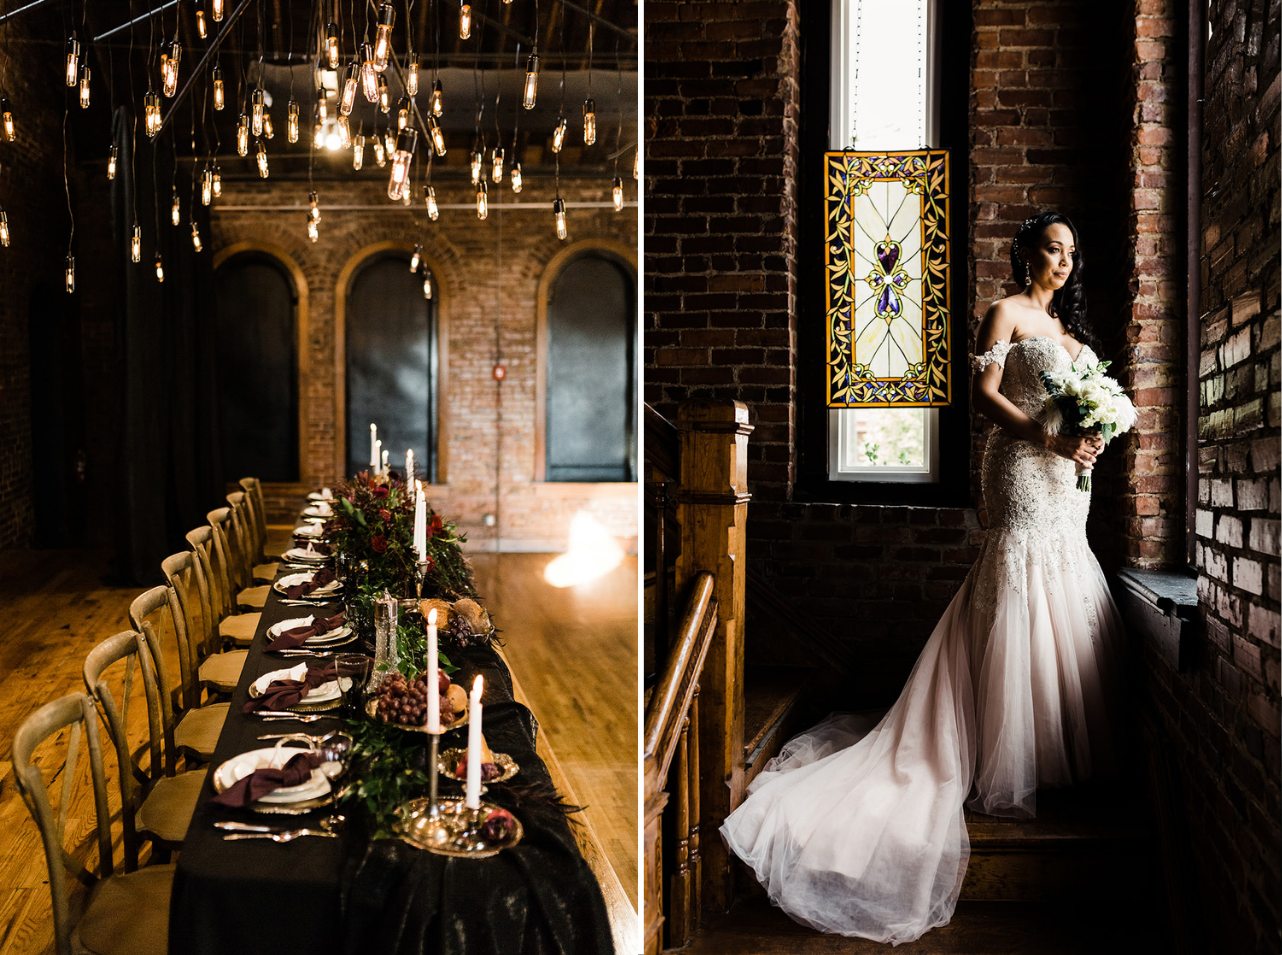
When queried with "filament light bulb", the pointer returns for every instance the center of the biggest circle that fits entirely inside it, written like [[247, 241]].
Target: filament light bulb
[[313, 212], [402, 112], [202, 29], [558, 210], [427, 287], [206, 187], [291, 122], [398, 182], [383, 36], [531, 81], [411, 75], [433, 211], [476, 166], [384, 97], [169, 68], [380, 154], [358, 153], [417, 257], [344, 132], [7, 112], [175, 210], [135, 244], [195, 236], [151, 109], [331, 44], [589, 122], [349, 88], [369, 75], [112, 158], [496, 164], [219, 90], [516, 177], [464, 21], [262, 161], [438, 135], [73, 60], [438, 103], [322, 105], [558, 135], [268, 132], [618, 194], [482, 200], [4, 228], [313, 230], [84, 87], [389, 143], [216, 10], [242, 135], [258, 104], [218, 182], [71, 274], [160, 269]]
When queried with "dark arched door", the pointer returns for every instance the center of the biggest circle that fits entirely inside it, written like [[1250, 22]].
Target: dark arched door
[[257, 335], [591, 372], [391, 365]]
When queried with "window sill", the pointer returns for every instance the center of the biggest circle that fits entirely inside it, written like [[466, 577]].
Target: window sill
[[814, 490], [1161, 607], [586, 489]]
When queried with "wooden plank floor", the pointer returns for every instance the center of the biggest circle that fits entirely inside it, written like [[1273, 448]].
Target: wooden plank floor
[[575, 653]]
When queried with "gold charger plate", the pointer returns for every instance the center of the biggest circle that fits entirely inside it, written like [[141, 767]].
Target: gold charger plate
[[448, 759], [413, 825]]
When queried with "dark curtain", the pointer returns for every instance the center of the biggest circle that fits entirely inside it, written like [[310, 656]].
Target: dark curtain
[[168, 466]]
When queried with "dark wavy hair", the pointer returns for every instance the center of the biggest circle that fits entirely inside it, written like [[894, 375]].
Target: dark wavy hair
[[1068, 303]]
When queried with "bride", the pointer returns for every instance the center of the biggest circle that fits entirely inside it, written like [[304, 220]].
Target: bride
[[859, 830]]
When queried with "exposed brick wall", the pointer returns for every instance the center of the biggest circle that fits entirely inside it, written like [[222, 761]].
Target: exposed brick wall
[[463, 249]]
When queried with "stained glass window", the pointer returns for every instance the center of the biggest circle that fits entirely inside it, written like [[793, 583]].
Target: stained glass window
[[887, 276]]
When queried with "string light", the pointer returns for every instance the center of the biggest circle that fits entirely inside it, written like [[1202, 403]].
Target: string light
[[427, 286], [369, 75], [558, 135], [242, 135], [531, 81], [331, 44], [389, 142], [322, 104], [398, 183], [318, 136], [7, 112], [417, 257], [73, 60], [135, 244], [219, 89], [344, 132], [358, 152], [589, 122], [151, 107], [262, 161], [618, 194], [84, 87], [438, 102], [160, 269], [411, 75], [313, 230], [216, 9], [267, 126], [558, 210], [482, 201], [383, 35], [206, 186], [438, 135], [175, 209], [195, 236], [112, 158], [476, 166], [402, 112], [433, 211], [384, 97], [464, 21], [496, 164], [218, 182], [4, 228], [202, 30], [516, 177], [380, 154], [349, 88], [291, 122], [169, 59], [258, 103], [71, 274], [313, 213]]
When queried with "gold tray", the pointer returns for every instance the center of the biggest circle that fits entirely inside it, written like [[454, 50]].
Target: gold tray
[[371, 710], [448, 759], [412, 825]]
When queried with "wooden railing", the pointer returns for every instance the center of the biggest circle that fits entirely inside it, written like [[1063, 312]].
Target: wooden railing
[[697, 525]]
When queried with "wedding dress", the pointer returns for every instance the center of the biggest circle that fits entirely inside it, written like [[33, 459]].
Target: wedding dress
[[859, 831]]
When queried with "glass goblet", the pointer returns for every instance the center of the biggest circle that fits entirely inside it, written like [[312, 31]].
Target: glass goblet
[[353, 671]]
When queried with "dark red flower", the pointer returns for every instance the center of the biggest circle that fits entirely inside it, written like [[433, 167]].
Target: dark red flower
[[385, 515], [380, 491], [435, 526], [379, 543]]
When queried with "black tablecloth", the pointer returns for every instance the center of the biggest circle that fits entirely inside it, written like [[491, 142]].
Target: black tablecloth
[[354, 894]]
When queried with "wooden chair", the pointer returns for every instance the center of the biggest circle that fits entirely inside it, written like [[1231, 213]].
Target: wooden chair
[[158, 804], [233, 560], [253, 489], [127, 914], [232, 627], [191, 729], [215, 670]]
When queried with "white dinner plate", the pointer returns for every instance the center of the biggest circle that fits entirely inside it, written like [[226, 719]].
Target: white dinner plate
[[325, 693], [293, 580], [308, 530], [318, 510], [304, 556], [324, 494], [238, 767], [334, 636]]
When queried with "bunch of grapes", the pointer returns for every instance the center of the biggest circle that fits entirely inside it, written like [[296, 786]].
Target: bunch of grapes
[[405, 701]]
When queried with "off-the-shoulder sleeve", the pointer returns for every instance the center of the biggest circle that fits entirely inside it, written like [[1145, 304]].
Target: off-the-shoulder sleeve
[[995, 354]]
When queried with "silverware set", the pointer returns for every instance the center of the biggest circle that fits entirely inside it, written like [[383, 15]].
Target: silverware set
[[241, 830], [274, 715]]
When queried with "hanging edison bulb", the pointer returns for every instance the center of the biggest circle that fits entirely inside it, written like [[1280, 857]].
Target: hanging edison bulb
[[71, 274], [427, 286], [291, 122], [482, 200], [476, 165], [175, 209], [344, 130], [322, 105], [384, 97], [318, 136], [206, 186], [411, 74], [268, 132], [380, 154], [389, 142], [313, 230], [558, 135], [516, 177], [160, 269], [349, 88], [4, 228], [383, 36], [331, 44], [433, 210], [369, 75], [438, 101], [202, 29], [112, 158], [464, 21], [218, 182], [262, 160], [242, 135], [169, 68], [151, 108], [496, 164], [216, 9], [558, 210], [438, 135], [73, 60], [258, 104], [135, 244], [398, 182], [402, 112], [531, 81], [618, 194], [84, 87], [313, 211], [358, 153], [195, 236], [7, 112], [417, 257], [219, 89], [589, 122]]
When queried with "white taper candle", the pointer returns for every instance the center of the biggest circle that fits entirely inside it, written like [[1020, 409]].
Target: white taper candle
[[473, 800], [373, 446], [434, 696]]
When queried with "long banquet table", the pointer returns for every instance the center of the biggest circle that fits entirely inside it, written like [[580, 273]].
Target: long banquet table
[[355, 894]]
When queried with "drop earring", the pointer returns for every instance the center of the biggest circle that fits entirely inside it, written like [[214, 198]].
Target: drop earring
[[1028, 275]]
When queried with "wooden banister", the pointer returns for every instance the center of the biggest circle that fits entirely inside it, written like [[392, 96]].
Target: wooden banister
[[671, 698], [662, 443]]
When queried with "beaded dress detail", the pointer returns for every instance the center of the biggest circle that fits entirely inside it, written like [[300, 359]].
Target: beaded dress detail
[[857, 828]]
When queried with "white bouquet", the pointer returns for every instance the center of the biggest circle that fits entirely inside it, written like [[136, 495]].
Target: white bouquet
[[1084, 402]]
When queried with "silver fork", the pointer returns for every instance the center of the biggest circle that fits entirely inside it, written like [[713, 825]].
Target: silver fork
[[299, 717], [288, 836]]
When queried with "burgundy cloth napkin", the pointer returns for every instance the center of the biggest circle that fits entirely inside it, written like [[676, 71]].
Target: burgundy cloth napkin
[[282, 694], [297, 636], [319, 548], [319, 579], [263, 781]]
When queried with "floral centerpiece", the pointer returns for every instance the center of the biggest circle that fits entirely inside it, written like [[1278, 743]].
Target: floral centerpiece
[[1083, 402]]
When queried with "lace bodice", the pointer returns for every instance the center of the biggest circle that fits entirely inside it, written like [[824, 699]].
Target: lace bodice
[[1021, 363]]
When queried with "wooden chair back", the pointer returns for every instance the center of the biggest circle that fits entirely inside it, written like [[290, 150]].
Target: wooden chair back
[[184, 574], [75, 711], [150, 613], [226, 564], [217, 599], [240, 537], [136, 782], [253, 489]]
